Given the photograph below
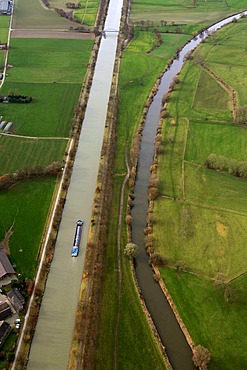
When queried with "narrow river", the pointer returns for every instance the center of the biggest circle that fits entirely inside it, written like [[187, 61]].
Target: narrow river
[[51, 343], [172, 337]]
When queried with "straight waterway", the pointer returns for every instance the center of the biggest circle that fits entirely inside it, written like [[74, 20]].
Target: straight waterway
[[51, 343]]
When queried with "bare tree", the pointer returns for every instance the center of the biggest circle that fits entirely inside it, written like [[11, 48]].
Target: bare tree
[[201, 357]]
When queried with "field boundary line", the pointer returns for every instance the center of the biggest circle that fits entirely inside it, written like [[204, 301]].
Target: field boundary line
[[35, 137], [236, 277], [184, 150], [213, 208], [226, 87]]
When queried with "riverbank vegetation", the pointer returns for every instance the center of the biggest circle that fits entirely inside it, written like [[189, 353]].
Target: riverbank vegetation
[[200, 215], [147, 62]]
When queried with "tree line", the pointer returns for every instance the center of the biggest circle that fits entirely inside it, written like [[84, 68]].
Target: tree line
[[9, 179], [221, 163]]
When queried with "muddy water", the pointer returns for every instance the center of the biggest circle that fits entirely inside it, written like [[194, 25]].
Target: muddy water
[[52, 339], [178, 350]]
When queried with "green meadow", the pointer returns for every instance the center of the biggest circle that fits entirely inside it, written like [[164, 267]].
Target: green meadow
[[4, 29], [86, 14], [30, 14], [184, 11], [201, 219], [25, 207], [55, 89], [29, 153], [218, 326]]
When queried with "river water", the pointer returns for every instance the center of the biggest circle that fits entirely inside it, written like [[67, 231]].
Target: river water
[[172, 337], [51, 343]]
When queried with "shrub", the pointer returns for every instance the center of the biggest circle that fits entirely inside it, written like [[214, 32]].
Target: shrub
[[130, 250]]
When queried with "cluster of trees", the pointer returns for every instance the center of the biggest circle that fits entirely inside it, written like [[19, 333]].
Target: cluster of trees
[[9, 179], [224, 164], [19, 98], [73, 5], [67, 15]]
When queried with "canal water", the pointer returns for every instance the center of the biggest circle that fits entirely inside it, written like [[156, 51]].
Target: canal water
[[51, 343], [172, 337]]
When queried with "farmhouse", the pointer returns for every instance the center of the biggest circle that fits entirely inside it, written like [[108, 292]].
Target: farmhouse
[[5, 310], [5, 7], [5, 329], [17, 299], [6, 268]]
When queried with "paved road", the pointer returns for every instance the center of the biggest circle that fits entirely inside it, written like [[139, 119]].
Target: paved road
[[52, 339]]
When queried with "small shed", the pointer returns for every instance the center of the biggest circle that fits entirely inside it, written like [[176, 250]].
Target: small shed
[[7, 127], [2, 124]]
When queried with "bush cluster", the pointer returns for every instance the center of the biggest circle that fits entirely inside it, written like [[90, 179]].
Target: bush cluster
[[19, 99], [224, 164]]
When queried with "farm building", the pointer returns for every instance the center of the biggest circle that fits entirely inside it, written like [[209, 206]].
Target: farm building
[[7, 127], [17, 299], [5, 329], [5, 7], [5, 310], [6, 268], [2, 124]]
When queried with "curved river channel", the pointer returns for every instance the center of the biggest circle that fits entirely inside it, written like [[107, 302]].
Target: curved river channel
[[177, 348]]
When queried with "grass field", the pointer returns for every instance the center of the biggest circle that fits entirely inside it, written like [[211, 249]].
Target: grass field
[[35, 120], [28, 153], [54, 89], [86, 14], [4, 29], [27, 203], [216, 325], [183, 11], [201, 218], [32, 14]]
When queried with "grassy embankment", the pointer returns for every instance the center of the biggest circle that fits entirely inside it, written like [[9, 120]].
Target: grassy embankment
[[134, 87], [201, 218], [4, 29], [55, 91]]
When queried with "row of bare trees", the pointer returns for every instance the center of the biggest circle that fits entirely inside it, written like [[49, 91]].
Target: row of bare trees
[[8, 179]]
